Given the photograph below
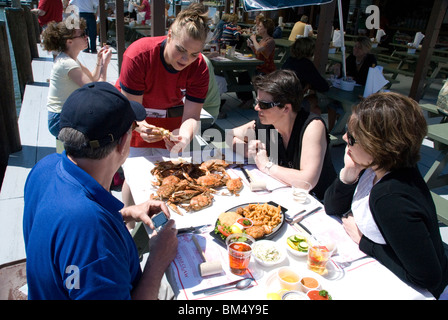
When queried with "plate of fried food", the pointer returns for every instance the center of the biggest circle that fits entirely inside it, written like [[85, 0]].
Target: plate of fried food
[[262, 221]]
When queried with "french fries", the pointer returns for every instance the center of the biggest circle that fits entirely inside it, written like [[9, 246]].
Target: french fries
[[262, 214]]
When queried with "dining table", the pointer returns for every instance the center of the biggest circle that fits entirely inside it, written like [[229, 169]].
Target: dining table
[[231, 66], [436, 176], [364, 279]]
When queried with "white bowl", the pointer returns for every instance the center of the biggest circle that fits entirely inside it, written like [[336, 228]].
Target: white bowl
[[264, 249], [296, 252], [347, 85]]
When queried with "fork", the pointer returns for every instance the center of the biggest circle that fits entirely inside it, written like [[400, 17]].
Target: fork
[[346, 264], [270, 190]]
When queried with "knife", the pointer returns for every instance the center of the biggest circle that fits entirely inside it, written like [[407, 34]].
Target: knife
[[246, 174], [306, 215], [193, 229]]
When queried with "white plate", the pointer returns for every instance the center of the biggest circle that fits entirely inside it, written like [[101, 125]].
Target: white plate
[[268, 244], [296, 252]]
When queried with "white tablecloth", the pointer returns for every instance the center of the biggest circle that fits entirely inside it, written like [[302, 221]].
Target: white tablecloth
[[365, 279]]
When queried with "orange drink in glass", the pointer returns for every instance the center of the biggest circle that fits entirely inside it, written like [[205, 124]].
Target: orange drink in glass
[[239, 248], [318, 256]]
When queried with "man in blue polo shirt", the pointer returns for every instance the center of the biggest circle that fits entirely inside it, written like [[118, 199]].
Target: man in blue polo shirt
[[77, 244]]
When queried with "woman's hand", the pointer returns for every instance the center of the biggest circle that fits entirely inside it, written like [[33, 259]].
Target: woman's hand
[[257, 150], [351, 228], [106, 54], [336, 68], [148, 132], [350, 173], [175, 143]]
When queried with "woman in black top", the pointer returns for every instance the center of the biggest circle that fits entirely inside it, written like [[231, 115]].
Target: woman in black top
[[358, 63], [357, 67], [385, 205], [286, 142], [300, 61]]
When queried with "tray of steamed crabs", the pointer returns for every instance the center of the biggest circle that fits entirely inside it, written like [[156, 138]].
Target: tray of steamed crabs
[[192, 186]]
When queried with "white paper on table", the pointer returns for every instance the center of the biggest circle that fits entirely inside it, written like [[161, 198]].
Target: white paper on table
[[337, 40], [308, 29], [417, 39], [220, 58], [379, 34], [186, 271], [375, 81]]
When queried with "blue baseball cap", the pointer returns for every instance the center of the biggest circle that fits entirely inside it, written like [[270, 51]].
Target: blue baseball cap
[[100, 112]]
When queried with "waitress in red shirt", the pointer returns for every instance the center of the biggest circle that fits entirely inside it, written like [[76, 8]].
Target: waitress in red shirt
[[169, 76]]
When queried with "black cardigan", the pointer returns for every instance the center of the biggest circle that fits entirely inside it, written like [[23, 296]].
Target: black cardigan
[[403, 209]]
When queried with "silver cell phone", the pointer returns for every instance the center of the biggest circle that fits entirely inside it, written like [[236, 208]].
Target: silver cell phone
[[159, 220]]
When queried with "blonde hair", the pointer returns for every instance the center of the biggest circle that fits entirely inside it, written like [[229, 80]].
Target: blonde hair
[[233, 18], [193, 20]]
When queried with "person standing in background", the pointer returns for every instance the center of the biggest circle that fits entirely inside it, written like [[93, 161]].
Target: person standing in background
[[88, 9], [47, 11], [144, 7]]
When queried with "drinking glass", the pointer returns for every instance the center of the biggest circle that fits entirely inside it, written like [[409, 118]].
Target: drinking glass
[[239, 248], [300, 191]]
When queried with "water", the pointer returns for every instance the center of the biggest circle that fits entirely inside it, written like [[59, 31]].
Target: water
[[13, 65]]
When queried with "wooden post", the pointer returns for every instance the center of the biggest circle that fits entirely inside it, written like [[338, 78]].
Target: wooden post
[[19, 40], [157, 18], [324, 35], [31, 32], [119, 26], [9, 129], [103, 22], [227, 6], [36, 27], [432, 32], [177, 9]]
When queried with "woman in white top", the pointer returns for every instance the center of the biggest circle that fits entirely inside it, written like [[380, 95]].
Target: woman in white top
[[68, 74]]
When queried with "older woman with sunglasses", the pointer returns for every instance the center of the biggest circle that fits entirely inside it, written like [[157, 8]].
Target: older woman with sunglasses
[[286, 142], [68, 74], [385, 205]]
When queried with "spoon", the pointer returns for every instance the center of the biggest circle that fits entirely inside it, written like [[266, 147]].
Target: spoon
[[239, 284]]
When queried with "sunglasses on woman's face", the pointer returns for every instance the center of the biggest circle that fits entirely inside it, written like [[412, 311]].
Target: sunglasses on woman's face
[[82, 35], [350, 139], [264, 105]]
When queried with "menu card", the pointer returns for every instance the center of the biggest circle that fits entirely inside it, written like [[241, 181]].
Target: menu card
[[186, 268]]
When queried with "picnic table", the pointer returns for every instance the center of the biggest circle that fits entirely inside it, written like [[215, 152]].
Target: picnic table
[[439, 134], [136, 32], [364, 279], [283, 50], [347, 100], [229, 67]]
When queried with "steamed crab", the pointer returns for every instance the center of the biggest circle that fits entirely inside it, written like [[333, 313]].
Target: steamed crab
[[191, 186]]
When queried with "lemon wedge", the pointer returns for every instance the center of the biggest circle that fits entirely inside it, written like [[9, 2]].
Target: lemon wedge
[[236, 229]]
